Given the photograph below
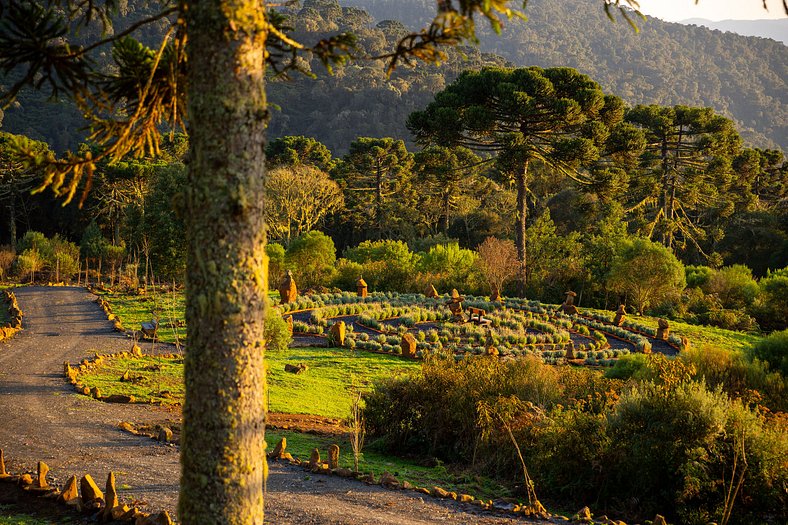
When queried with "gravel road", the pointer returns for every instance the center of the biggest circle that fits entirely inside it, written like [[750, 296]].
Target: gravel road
[[43, 419]]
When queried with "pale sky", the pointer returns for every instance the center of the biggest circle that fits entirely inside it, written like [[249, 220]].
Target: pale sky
[[676, 10]]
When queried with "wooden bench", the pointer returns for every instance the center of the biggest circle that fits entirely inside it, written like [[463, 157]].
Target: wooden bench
[[149, 329], [476, 315]]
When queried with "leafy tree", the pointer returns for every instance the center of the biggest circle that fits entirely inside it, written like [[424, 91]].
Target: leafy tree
[[497, 262], [163, 223], [371, 173], [688, 163], [298, 151], [734, 286], [647, 273], [299, 198], [451, 265], [556, 116], [773, 301], [276, 263], [388, 265], [91, 246], [311, 257], [555, 260]]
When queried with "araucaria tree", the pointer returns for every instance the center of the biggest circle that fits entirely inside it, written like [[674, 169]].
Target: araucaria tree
[[556, 116], [687, 169]]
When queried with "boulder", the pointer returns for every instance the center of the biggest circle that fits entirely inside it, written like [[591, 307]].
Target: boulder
[[465, 498], [296, 369], [659, 520], [3, 473], [90, 491], [337, 334], [570, 352], [119, 398], [388, 480], [164, 434], [279, 449], [314, 458], [583, 515], [495, 295], [439, 492], [289, 321], [343, 472], [70, 491], [333, 456], [408, 345], [26, 480], [111, 499], [95, 392], [43, 470]]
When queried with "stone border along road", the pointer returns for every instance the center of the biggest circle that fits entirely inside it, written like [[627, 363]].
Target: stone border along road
[[43, 419]]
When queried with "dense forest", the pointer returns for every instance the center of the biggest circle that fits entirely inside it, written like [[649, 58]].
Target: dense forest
[[743, 78]]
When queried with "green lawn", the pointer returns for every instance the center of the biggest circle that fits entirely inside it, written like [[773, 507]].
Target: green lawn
[[698, 335], [167, 307], [705, 335], [322, 390]]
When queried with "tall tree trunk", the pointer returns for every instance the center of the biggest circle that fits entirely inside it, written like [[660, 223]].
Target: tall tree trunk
[[665, 182], [521, 182], [379, 198], [222, 445], [12, 220], [446, 205]]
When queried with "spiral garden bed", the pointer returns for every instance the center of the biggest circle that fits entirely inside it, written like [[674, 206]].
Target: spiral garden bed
[[516, 328]]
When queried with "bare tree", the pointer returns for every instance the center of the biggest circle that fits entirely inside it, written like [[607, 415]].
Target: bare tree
[[498, 262], [298, 198]]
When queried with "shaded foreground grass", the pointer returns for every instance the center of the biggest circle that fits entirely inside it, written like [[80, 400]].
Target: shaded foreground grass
[[323, 390], [422, 472]]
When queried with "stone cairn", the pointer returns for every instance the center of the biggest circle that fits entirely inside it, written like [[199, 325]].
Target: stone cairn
[[83, 496], [568, 306], [663, 330], [361, 287], [621, 314], [287, 288], [455, 305]]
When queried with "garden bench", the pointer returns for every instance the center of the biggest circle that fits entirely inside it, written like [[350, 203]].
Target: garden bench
[[476, 315], [149, 329]]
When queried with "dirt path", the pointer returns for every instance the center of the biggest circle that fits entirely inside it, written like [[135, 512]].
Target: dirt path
[[43, 419]]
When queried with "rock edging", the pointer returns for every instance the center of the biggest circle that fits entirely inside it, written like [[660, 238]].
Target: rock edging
[[14, 325], [83, 497]]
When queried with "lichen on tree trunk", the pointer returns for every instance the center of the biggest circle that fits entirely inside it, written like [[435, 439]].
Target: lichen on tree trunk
[[222, 447]]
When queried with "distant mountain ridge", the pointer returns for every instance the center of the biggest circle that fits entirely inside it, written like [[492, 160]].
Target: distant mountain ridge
[[766, 28]]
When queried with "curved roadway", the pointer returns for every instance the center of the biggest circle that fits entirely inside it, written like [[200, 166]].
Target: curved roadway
[[44, 419]]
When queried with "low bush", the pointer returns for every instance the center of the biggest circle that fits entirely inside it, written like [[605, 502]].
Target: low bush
[[774, 351]]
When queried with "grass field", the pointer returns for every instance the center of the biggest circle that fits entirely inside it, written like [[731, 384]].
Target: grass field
[[166, 306], [323, 390], [698, 335]]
